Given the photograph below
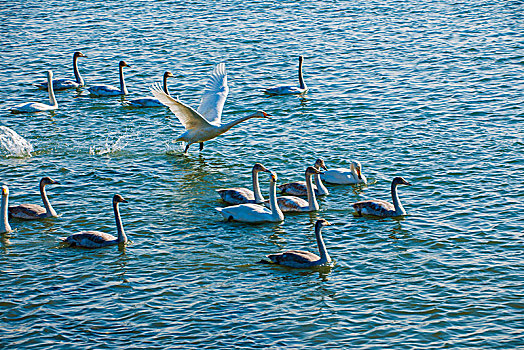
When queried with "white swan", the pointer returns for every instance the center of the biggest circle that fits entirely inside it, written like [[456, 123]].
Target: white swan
[[290, 90], [34, 211], [242, 195], [344, 176], [4, 223], [294, 204], [382, 208], [150, 101], [33, 107], [205, 123], [63, 84], [109, 90], [97, 239], [298, 188], [302, 259], [254, 213]]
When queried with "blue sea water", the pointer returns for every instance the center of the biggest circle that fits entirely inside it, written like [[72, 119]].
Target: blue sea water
[[431, 91]]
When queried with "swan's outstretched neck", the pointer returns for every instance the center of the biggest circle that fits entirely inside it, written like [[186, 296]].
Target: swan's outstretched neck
[[50, 212], [123, 87], [256, 187], [52, 98], [311, 198], [4, 224], [399, 209], [228, 126], [324, 256], [273, 204], [300, 77], [122, 238], [78, 77]]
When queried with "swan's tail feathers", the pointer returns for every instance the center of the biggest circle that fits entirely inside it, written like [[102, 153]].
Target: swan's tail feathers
[[264, 261]]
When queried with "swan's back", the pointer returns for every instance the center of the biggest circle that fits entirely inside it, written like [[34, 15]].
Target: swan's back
[[375, 207], [90, 239], [27, 211], [295, 258], [246, 213], [236, 195]]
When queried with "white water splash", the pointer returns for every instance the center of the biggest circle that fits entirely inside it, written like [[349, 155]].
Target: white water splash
[[13, 145], [173, 147], [110, 147]]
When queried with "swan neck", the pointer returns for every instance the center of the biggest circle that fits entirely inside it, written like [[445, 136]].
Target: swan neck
[[51, 92], [256, 187], [324, 256], [273, 204], [49, 211], [399, 209], [78, 77], [165, 85], [300, 77], [122, 238], [229, 125], [4, 225], [311, 198], [322, 190], [123, 87]]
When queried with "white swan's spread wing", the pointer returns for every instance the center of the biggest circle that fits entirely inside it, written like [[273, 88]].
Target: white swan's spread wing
[[188, 116], [214, 96]]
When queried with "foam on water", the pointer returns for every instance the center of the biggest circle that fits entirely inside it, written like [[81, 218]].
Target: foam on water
[[13, 145]]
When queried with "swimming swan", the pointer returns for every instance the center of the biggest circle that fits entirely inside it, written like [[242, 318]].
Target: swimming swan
[[63, 84], [344, 176], [33, 107], [290, 90], [382, 208], [205, 123], [298, 188], [294, 204], [302, 259], [34, 211], [242, 195], [150, 101], [254, 213], [4, 224], [97, 239], [109, 90]]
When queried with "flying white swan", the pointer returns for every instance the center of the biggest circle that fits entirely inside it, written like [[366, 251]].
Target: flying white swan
[[242, 195], [288, 89], [294, 204], [109, 90], [343, 176], [33, 107], [298, 188], [33, 211], [254, 213], [382, 208], [302, 259], [205, 123], [97, 239], [150, 101], [4, 223], [63, 84]]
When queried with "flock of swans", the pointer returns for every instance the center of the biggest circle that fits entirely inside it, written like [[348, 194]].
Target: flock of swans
[[201, 125]]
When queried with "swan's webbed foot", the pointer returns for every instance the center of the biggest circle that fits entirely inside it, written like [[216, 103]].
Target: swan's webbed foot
[[201, 146]]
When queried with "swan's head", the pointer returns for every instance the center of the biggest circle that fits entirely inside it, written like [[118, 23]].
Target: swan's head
[[49, 74], [48, 181], [5, 191], [123, 64], [118, 199], [168, 74], [259, 167], [319, 164], [312, 171], [322, 223], [273, 177], [79, 54], [260, 114], [355, 166], [399, 181]]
